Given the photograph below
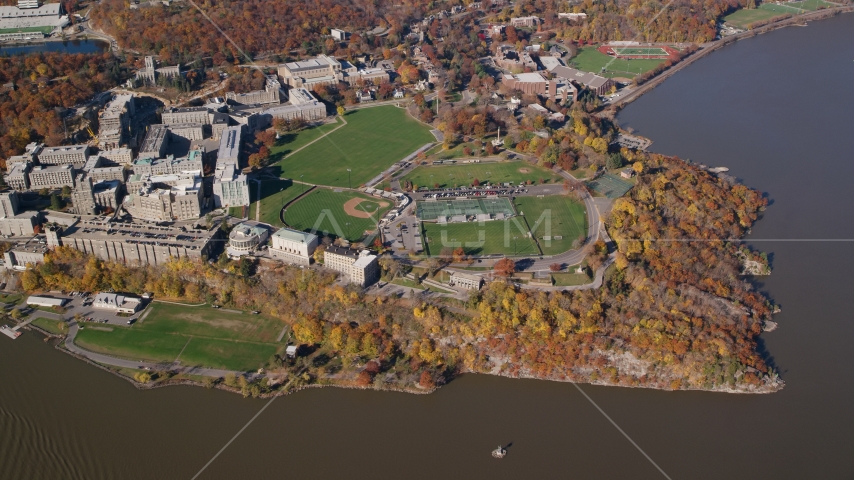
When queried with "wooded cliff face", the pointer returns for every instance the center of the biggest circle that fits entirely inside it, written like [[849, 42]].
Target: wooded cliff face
[[673, 312]]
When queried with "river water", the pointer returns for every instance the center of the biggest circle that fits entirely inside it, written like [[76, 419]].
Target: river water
[[68, 46], [772, 109]]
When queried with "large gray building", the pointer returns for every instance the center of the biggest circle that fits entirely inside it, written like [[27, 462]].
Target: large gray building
[[53, 176], [65, 155], [230, 188], [114, 122], [132, 243], [155, 143], [302, 105]]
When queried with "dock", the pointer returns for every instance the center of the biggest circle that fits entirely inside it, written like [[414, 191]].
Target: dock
[[12, 333]]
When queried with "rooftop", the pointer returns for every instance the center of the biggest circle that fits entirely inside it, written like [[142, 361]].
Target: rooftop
[[246, 230], [295, 235]]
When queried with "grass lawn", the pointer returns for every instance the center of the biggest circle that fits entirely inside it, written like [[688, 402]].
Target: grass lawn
[[210, 322], [552, 216], [227, 354], [323, 211], [591, 60], [45, 30], [372, 140], [296, 140], [274, 195], [56, 327], [463, 174], [132, 343], [570, 279], [743, 18], [12, 298], [493, 237], [207, 336]]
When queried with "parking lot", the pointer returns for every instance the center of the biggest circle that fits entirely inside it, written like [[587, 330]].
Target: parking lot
[[81, 303]]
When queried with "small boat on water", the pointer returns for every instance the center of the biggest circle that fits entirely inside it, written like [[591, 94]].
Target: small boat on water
[[499, 452]]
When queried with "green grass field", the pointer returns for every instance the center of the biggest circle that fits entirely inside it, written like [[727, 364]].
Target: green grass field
[[743, 18], [372, 140], [493, 237], [570, 279], [57, 327], [207, 336], [554, 216], [640, 51], [296, 140], [323, 211], [45, 30], [591, 60], [227, 354], [274, 195], [463, 174]]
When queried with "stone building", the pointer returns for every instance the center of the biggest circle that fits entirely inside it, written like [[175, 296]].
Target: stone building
[[53, 176], [272, 93], [230, 188], [150, 73], [155, 142], [90, 197], [133, 244], [66, 155], [193, 162], [465, 280], [17, 176], [321, 70], [525, 21], [361, 267], [302, 105], [190, 131], [173, 115], [293, 246], [165, 198], [118, 155], [245, 238], [114, 122]]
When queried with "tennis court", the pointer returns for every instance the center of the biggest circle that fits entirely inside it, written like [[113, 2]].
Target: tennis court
[[639, 51], [610, 185], [429, 210]]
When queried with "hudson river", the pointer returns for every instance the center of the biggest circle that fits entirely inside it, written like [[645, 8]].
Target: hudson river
[[778, 110]]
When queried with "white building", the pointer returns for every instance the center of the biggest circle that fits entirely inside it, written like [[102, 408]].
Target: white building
[[246, 238], [117, 302], [465, 280], [45, 301], [293, 246]]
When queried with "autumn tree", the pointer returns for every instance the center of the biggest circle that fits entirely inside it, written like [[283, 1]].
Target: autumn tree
[[505, 267]]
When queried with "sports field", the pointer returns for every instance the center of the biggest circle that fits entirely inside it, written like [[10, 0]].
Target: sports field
[[200, 336], [431, 210], [448, 176], [479, 238], [610, 185], [372, 140], [323, 211], [290, 142], [744, 18], [553, 216], [590, 59], [639, 51], [274, 195], [44, 30]]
